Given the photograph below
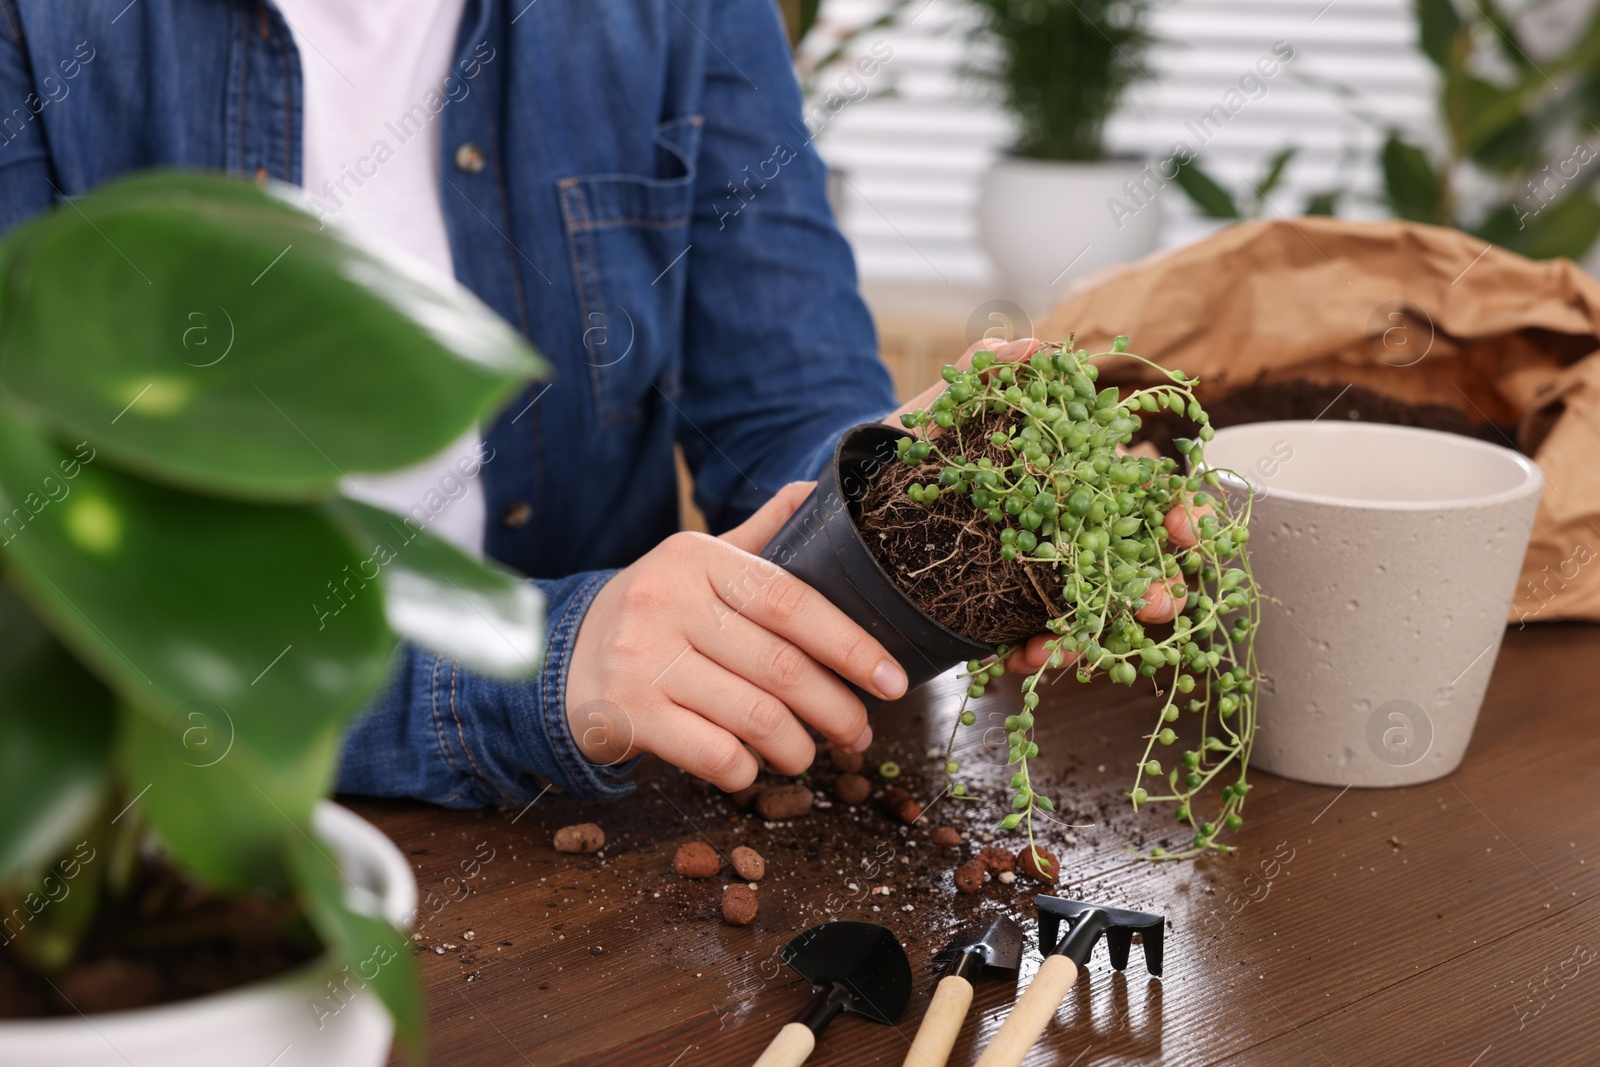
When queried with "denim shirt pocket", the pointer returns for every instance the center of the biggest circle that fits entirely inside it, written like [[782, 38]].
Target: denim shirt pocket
[[627, 236]]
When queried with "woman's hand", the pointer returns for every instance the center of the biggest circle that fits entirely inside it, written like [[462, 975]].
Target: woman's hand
[[1180, 523], [702, 647]]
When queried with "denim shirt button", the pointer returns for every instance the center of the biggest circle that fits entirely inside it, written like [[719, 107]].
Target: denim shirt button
[[469, 158], [517, 515]]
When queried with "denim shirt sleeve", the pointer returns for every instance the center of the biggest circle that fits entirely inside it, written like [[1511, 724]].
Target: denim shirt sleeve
[[24, 162], [780, 355], [446, 735]]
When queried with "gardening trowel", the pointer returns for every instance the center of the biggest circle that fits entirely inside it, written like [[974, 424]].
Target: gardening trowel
[[1085, 923], [854, 966], [997, 944]]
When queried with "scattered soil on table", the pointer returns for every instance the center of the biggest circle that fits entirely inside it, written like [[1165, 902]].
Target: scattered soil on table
[[1296, 399], [166, 940], [946, 557]]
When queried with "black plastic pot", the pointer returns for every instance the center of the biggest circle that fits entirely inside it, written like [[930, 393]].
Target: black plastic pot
[[821, 546]]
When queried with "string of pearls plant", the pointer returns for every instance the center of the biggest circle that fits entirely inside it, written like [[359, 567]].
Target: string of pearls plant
[[1069, 496]]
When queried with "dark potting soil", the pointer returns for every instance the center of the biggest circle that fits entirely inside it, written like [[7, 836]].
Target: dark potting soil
[[166, 940], [1272, 401], [946, 557]]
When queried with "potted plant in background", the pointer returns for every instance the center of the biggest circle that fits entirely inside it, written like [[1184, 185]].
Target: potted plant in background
[[1515, 165], [1016, 512], [1060, 68], [191, 613]]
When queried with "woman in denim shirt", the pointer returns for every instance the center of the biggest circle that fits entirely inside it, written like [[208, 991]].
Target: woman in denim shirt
[[632, 184]]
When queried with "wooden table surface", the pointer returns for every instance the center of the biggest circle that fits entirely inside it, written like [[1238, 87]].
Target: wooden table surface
[[1456, 922]]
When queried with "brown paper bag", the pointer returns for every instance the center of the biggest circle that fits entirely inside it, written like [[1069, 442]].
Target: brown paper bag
[[1395, 322]]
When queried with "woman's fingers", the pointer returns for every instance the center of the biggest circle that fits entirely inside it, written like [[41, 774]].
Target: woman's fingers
[[782, 669], [1159, 604], [747, 711], [686, 739], [1183, 522]]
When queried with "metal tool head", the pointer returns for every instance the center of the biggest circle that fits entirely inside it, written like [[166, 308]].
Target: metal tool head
[[997, 943], [862, 962], [1086, 922]]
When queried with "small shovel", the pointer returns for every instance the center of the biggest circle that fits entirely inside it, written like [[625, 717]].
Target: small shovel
[[997, 944], [1085, 923], [855, 966]]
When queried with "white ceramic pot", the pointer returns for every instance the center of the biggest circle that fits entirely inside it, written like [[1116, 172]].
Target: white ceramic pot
[[1391, 555], [289, 1021], [1047, 224]]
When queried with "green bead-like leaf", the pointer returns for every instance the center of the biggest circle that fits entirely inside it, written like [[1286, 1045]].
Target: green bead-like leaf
[[440, 598], [235, 346], [57, 728], [374, 951]]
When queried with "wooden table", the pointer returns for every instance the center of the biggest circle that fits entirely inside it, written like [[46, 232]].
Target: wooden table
[[1456, 922]]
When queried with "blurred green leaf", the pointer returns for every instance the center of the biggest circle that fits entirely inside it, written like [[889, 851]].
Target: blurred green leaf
[[375, 952], [191, 605], [57, 728], [235, 346], [1324, 203], [444, 600], [1413, 187], [1568, 227], [225, 820], [1438, 22], [1274, 173], [1212, 199]]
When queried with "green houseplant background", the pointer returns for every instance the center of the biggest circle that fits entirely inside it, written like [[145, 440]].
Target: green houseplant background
[[1060, 68], [188, 367], [1505, 135]]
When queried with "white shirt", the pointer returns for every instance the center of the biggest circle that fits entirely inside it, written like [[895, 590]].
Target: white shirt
[[371, 165]]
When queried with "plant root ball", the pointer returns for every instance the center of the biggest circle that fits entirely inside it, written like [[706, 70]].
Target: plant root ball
[[1046, 871], [997, 860], [739, 904], [696, 860], [945, 837], [748, 863], [783, 802], [852, 788], [969, 877], [848, 762], [584, 837]]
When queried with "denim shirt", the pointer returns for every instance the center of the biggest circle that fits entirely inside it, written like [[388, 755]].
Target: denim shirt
[[630, 183]]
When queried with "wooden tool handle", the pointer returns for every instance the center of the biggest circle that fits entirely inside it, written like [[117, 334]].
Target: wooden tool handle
[[937, 1034], [790, 1048], [1031, 1014]]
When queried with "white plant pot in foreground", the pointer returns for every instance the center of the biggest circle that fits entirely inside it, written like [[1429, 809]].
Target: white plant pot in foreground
[[1047, 224], [1390, 555], [275, 1021]]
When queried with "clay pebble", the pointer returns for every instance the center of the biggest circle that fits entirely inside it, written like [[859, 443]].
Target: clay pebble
[[748, 863], [783, 802], [696, 860], [852, 788], [582, 837], [739, 904]]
